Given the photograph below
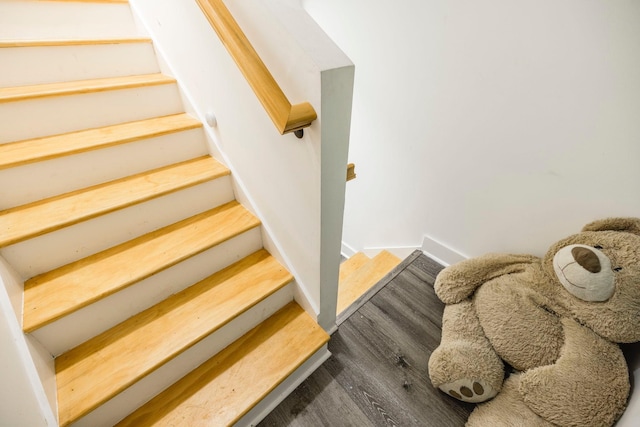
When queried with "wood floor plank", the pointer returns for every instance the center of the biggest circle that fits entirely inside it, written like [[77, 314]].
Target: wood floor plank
[[95, 371], [380, 361], [360, 281], [49, 296], [425, 269], [392, 315], [33, 150], [223, 389], [323, 393], [21, 93], [34, 219], [368, 384], [400, 341], [413, 304]]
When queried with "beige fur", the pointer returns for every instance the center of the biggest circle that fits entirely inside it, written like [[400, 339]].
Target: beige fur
[[506, 410], [559, 332]]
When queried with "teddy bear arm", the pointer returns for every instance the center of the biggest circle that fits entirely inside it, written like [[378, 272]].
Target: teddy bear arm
[[588, 384], [520, 328], [457, 282]]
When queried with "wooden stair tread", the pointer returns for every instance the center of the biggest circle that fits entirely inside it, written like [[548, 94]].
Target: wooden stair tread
[[352, 265], [96, 370], [363, 279], [20, 93], [223, 389], [34, 219], [96, 1], [54, 294], [28, 151], [71, 42]]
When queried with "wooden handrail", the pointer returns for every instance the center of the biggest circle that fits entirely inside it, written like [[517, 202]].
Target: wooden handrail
[[286, 117]]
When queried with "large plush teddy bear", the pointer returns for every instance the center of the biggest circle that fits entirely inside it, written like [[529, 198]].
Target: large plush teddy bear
[[555, 322]]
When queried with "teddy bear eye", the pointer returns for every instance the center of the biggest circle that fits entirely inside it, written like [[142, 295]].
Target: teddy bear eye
[[617, 269], [598, 247]]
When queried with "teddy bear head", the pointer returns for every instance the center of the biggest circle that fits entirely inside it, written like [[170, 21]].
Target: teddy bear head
[[599, 270]]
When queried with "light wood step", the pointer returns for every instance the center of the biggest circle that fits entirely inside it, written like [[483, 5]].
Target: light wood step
[[34, 219], [91, 1], [70, 42], [84, 1], [97, 370], [352, 265], [223, 389], [361, 280], [21, 93], [62, 114], [33, 150], [54, 294]]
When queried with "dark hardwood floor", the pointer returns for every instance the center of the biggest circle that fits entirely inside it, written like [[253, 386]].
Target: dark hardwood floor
[[377, 374]]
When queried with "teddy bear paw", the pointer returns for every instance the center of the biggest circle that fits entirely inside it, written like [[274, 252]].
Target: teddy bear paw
[[471, 391]]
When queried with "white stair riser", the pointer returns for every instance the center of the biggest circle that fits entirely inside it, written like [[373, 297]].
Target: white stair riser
[[68, 173], [133, 397], [57, 248], [22, 66], [85, 323], [41, 117], [29, 20]]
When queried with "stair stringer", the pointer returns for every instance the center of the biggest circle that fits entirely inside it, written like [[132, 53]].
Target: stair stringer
[[28, 393]]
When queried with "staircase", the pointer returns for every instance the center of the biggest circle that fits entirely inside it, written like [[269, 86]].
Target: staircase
[[143, 276]]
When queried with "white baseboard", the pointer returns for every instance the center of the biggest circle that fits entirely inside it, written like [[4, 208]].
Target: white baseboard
[[400, 251], [441, 253], [347, 251]]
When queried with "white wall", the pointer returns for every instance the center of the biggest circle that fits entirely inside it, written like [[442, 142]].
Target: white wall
[[488, 126]]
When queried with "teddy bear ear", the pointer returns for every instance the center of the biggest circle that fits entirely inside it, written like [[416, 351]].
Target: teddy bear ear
[[628, 225]]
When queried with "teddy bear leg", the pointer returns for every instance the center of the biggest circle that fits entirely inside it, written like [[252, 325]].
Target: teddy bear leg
[[465, 365], [508, 409]]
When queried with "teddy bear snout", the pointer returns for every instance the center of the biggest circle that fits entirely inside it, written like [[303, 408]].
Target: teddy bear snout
[[587, 259], [585, 272]]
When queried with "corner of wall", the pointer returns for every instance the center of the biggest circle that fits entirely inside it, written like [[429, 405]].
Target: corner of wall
[[440, 252], [347, 251]]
